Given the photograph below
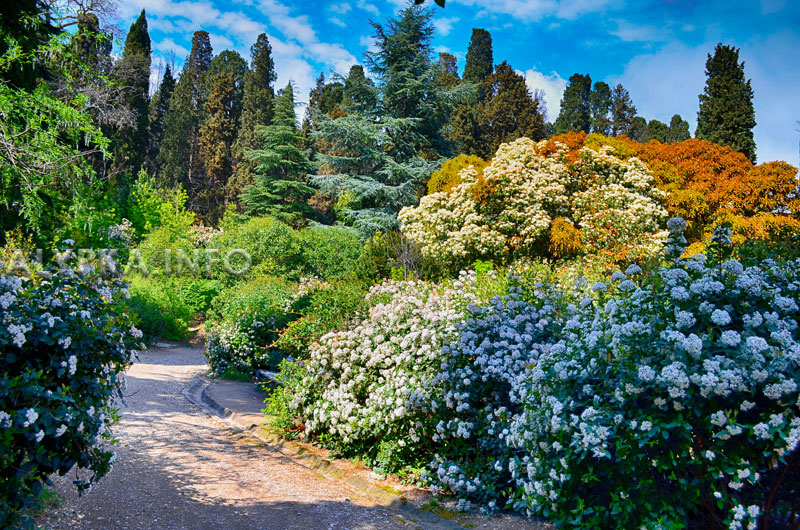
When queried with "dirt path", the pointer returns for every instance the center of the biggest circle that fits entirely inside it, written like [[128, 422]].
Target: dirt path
[[176, 468]]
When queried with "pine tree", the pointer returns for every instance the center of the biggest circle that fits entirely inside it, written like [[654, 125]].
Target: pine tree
[[575, 114], [215, 148], [508, 111], [600, 102], [132, 77], [158, 109], [178, 156], [480, 57], [657, 130], [256, 112], [281, 182], [622, 111], [359, 95], [678, 130], [638, 130], [726, 114]]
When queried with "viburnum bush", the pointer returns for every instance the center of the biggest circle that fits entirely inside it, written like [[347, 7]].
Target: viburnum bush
[[668, 400], [358, 382], [64, 340], [505, 212]]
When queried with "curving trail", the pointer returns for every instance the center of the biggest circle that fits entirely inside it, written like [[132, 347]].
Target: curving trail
[[176, 468]]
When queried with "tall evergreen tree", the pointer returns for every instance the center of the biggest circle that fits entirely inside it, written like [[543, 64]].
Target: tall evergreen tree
[[216, 142], [657, 130], [678, 130], [281, 183], [726, 114], [622, 111], [480, 57], [600, 103], [638, 130], [257, 104], [407, 76], [178, 156], [447, 71], [158, 109], [229, 61], [508, 111], [359, 95], [575, 113], [132, 76]]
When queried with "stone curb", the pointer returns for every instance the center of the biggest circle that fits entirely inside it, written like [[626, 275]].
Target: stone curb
[[197, 394]]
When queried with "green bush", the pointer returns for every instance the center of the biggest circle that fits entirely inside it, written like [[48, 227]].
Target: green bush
[[330, 252], [157, 307], [273, 247], [63, 343], [244, 323], [324, 309]]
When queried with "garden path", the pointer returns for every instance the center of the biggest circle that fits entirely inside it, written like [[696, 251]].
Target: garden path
[[177, 468]]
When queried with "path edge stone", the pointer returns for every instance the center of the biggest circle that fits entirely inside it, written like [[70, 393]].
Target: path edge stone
[[196, 392]]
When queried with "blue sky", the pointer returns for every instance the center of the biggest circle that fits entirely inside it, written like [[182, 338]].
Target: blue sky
[[656, 49]]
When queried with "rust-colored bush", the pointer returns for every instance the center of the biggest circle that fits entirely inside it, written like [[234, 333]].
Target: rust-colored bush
[[565, 238], [448, 177]]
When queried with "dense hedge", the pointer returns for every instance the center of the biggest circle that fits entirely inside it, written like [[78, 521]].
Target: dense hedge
[[63, 343]]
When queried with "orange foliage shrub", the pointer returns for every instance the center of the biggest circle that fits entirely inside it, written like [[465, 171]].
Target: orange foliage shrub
[[565, 238]]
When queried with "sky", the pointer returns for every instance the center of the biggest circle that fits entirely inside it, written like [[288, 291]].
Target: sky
[[656, 48]]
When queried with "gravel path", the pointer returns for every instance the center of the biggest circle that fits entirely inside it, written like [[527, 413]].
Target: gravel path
[[177, 468]]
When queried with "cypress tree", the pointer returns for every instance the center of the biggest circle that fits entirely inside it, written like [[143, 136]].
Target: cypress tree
[[231, 62], [132, 77], [158, 109], [622, 111], [480, 58], [575, 113], [508, 111], [257, 104], [178, 156], [600, 103], [726, 114], [678, 130], [216, 140], [281, 181]]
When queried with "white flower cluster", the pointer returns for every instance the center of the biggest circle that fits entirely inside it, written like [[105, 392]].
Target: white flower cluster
[[506, 210]]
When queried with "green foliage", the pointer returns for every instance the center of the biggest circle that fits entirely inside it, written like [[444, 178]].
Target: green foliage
[[326, 307], [726, 114], [59, 377], [244, 323], [622, 111], [657, 130], [479, 63], [678, 130], [575, 114], [151, 207], [330, 253], [158, 309], [507, 111], [359, 95], [159, 105], [282, 168], [600, 104]]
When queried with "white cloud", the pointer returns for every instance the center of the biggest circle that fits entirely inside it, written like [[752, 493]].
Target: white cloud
[[629, 32], [369, 8], [169, 45], [340, 9], [535, 10], [444, 25], [553, 86], [368, 42], [220, 42]]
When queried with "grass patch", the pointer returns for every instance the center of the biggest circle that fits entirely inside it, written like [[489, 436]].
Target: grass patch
[[232, 374]]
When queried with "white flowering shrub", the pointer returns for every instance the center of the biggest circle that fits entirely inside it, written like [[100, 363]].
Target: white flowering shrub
[[245, 322], [507, 210], [668, 401], [64, 339], [358, 383]]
